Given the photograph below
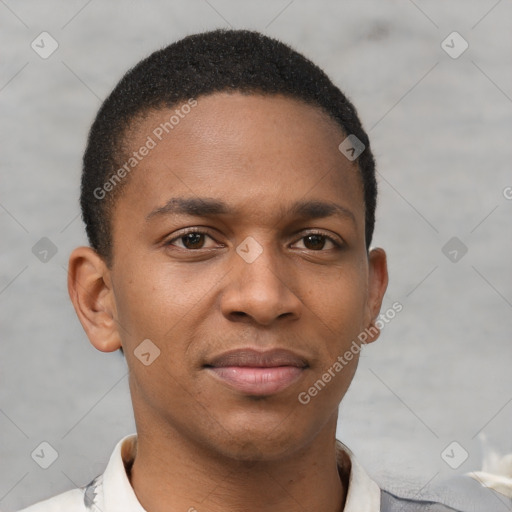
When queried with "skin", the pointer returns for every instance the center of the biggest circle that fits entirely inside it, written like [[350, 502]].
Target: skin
[[201, 443]]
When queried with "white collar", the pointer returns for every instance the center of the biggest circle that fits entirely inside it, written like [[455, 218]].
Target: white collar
[[363, 493], [116, 494]]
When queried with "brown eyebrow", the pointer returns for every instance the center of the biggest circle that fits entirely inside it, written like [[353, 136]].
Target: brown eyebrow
[[205, 206]]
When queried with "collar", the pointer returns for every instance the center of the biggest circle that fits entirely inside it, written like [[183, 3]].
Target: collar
[[363, 493]]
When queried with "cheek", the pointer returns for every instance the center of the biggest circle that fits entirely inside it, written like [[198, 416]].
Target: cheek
[[152, 299], [340, 303]]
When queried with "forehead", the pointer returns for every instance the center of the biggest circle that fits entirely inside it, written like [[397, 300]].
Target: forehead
[[256, 150]]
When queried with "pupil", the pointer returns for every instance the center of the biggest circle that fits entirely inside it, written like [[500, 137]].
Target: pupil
[[319, 241], [192, 239]]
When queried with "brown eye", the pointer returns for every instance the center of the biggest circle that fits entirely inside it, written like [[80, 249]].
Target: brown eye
[[193, 240], [314, 242]]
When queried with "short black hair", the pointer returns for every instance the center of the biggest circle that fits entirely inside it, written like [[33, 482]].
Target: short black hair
[[200, 64]]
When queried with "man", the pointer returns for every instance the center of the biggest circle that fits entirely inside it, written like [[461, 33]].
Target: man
[[229, 194]]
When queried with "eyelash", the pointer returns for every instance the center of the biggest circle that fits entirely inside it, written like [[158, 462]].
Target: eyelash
[[336, 243]]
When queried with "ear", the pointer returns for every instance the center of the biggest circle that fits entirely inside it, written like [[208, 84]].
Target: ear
[[90, 291], [377, 285]]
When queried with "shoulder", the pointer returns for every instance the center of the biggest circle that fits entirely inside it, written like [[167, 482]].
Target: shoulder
[[69, 501], [392, 503], [456, 494], [91, 497], [82, 499]]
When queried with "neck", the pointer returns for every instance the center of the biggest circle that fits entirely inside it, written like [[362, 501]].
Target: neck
[[171, 473]]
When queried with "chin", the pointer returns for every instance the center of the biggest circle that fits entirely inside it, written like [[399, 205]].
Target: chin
[[250, 443], [257, 451]]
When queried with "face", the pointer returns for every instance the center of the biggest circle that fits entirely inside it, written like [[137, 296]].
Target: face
[[239, 252]]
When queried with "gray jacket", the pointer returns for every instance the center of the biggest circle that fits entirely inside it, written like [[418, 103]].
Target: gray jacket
[[457, 494]]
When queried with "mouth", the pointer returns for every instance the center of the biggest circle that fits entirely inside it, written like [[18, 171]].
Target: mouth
[[257, 373]]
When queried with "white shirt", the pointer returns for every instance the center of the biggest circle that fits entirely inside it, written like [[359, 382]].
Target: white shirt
[[112, 491]]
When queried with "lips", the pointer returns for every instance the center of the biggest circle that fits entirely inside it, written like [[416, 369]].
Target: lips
[[257, 373], [256, 359]]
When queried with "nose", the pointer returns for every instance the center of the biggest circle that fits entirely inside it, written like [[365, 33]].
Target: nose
[[261, 290]]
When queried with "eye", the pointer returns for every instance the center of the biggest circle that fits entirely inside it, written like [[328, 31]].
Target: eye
[[191, 239], [315, 241], [194, 239]]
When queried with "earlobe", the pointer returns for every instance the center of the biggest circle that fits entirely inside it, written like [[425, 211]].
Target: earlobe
[[377, 285], [92, 296]]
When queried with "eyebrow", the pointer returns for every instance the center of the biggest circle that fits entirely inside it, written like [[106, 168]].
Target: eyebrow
[[205, 206]]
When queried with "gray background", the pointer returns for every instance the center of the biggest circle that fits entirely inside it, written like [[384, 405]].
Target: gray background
[[440, 129]]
